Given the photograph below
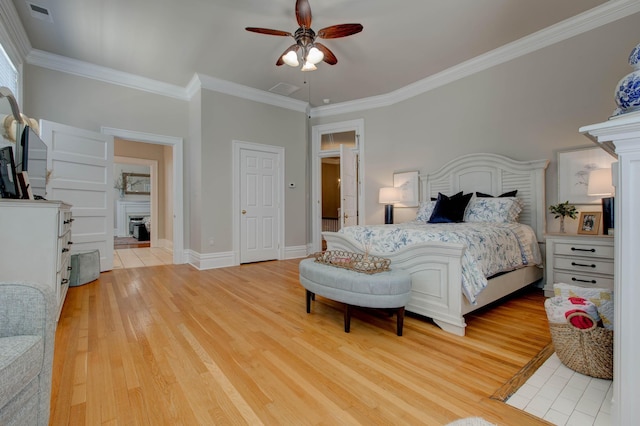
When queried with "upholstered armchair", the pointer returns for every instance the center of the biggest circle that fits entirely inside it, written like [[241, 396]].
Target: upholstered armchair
[[27, 331]]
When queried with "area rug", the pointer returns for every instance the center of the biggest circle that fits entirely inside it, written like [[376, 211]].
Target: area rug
[[129, 242], [514, 383]]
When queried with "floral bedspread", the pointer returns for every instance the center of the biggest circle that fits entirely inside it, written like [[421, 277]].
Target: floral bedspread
[[491, 247]]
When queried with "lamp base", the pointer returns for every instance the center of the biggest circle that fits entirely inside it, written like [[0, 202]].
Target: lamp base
[[388, 214], [607, 215]]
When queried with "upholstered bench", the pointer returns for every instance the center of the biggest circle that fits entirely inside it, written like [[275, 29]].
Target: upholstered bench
[[385, 290]]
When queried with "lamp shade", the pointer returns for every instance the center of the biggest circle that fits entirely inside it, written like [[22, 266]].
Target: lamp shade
[[600, 183], [389, 195]]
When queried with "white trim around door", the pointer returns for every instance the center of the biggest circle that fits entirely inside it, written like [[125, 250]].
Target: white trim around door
[[176, 143], [316, 172]]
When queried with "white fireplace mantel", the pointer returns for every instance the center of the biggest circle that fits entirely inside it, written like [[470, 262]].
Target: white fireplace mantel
[[126, 209], [624, 133]]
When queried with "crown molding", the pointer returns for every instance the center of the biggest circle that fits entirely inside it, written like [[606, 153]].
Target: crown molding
[[223, 86], [107, 75], [594, 18], [12, 34], [586, 21]]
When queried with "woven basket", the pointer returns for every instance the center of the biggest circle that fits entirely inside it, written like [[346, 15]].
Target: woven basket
[[587, 351]]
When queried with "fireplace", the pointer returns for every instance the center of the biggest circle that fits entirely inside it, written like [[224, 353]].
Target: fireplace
[[128, 211]]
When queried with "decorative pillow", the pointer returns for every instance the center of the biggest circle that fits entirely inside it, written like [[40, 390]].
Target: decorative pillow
[[450, 209], [425, 210], [506, 194], [601, 297], [496, 210], [459, 194]]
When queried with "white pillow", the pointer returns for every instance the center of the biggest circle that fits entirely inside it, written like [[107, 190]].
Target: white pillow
[[425, 210], [496, 210]]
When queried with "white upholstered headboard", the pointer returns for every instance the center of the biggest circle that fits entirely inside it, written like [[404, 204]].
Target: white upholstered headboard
[[494, 174]]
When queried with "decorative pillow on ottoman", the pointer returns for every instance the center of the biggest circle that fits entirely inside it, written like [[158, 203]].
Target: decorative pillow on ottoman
[[601, 297]]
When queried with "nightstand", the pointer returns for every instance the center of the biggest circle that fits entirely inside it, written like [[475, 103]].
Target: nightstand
[[584, 260]]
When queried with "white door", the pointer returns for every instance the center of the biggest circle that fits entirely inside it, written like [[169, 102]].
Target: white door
[[260, 211], [81, 174], [348, 187]]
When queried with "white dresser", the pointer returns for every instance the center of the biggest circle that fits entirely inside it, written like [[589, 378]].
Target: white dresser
[[36, 243], [584, 260]]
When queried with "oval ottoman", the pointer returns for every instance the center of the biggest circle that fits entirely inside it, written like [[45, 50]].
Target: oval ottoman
[[385, 290]]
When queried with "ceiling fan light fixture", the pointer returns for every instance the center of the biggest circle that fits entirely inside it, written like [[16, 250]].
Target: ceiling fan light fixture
[[291, 58], [308, 66], [315, 55]]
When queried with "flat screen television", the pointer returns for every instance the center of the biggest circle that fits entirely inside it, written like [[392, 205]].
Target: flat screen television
[[8, 177], [32, 158]]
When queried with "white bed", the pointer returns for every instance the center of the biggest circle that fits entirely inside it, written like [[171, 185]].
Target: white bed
[[435, 267]]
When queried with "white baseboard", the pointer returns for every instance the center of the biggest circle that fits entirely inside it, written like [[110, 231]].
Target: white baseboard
[[295, 252], [211, 260], [226, 259]]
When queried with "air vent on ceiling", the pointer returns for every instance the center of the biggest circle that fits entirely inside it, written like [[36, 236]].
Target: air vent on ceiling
[[284, 89], [40, 12]]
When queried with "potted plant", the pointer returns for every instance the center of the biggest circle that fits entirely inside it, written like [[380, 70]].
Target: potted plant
[[563, 209]]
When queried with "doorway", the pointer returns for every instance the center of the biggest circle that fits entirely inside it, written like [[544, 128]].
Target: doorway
[[337, 150], [174, 178]]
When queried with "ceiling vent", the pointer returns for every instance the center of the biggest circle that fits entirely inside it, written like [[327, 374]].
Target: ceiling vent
[[40, 12], [284, 89]]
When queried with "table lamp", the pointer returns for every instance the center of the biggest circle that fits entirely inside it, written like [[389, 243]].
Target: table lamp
[[599, 185], [388, 196]]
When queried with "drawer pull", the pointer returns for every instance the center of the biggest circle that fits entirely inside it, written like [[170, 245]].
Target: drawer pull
[[69, 242], [583, 281], [69, 268], [583, 264], [579, 249], [66, 222], [64, 250], [64, 281]]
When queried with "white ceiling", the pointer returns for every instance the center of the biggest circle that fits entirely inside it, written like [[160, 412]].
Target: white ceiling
[[402, 41]]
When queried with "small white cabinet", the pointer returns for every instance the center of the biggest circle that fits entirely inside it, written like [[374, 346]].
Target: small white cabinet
[[36, 243], [584, 260]]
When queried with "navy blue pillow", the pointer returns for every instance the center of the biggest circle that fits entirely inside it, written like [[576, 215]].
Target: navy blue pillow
[[450, 209], [459, 194], [506, 194]]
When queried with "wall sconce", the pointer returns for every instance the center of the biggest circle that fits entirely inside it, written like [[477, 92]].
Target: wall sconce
[[388, 196], [600, 184]]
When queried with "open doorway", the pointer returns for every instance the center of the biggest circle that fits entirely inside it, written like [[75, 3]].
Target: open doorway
[[337, 173], [172, 204]]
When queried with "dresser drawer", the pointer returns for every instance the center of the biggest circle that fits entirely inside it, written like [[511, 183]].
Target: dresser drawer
[[584, 280], [64, 224], [584, 250], [588, 266]]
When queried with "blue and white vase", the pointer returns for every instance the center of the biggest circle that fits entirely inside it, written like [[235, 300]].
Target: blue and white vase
[[627, 94]]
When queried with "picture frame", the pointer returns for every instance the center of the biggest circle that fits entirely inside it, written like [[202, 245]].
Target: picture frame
[[573, 173], [408, 184], [589, 223]]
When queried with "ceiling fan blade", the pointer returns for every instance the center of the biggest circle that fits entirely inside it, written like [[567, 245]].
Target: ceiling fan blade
[[329, 57], [268, 31], [303, 13], [293, 47], [341, 30]]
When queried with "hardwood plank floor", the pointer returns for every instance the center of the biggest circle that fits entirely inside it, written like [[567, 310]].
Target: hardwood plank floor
[[169, 345]]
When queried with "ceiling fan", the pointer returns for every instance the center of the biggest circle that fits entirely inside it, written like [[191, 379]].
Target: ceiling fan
[[306, 48]]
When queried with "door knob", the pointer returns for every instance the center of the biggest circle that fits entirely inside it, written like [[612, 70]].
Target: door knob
[[244, 212], [346, 216]]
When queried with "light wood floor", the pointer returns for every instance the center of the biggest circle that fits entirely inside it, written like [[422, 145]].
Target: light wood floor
[[169, 345]]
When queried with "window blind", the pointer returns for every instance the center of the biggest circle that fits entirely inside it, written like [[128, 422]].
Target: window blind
[[8, 73]]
